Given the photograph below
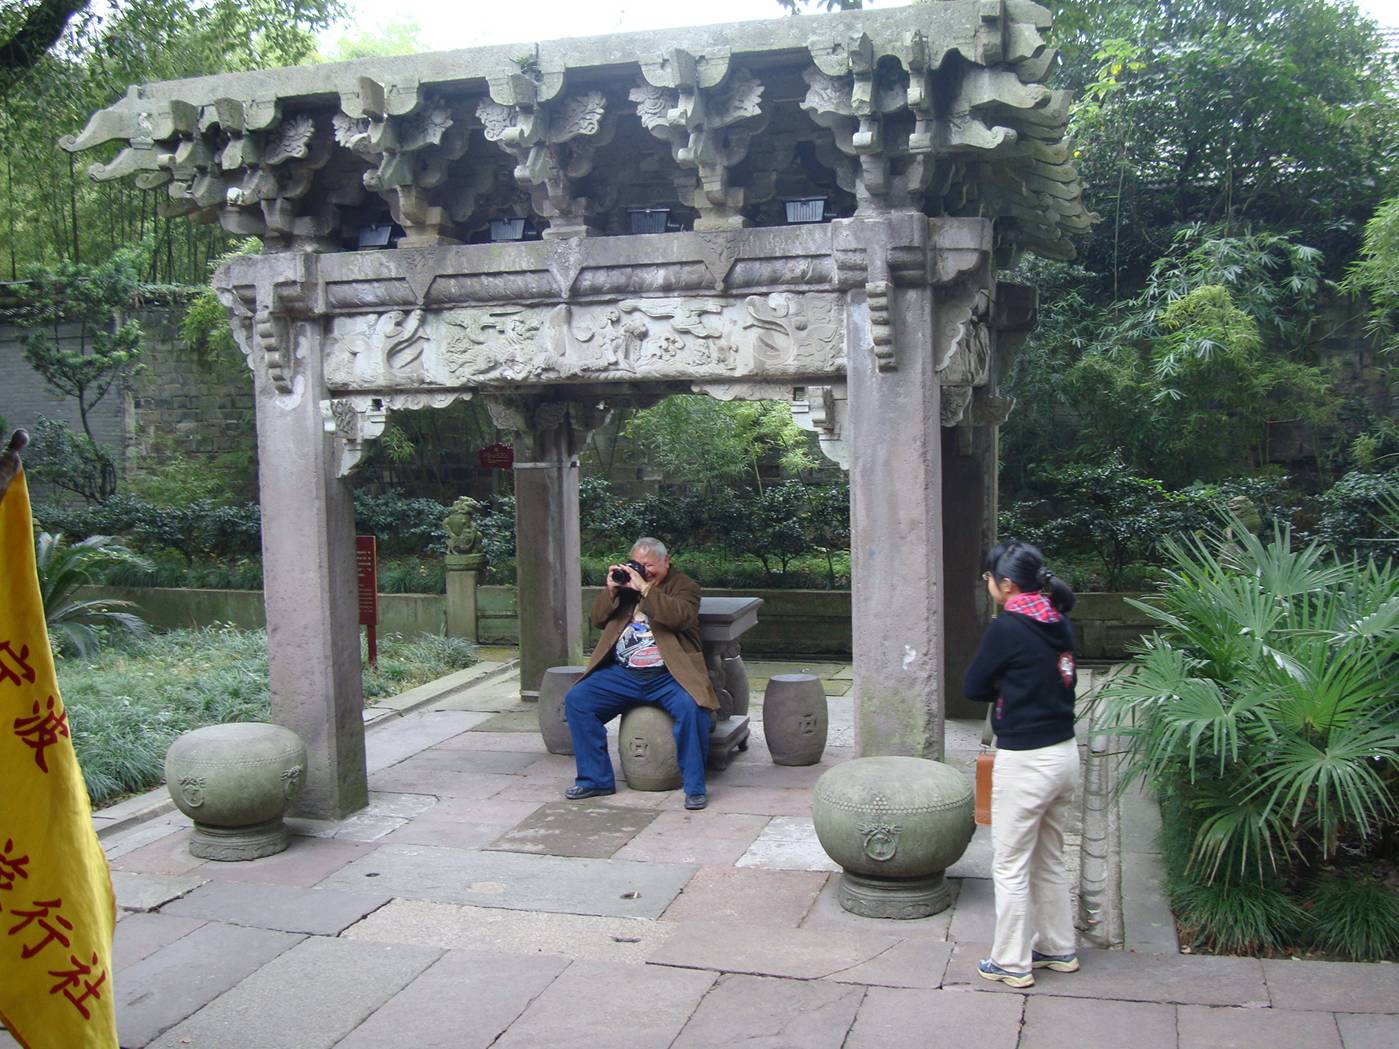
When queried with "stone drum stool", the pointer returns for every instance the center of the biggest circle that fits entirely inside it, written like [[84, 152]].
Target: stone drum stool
[[795, 719], [553, 724], [647, 747], [236, 781], [894, 824]]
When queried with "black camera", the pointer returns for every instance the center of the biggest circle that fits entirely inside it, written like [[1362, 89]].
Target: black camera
[[618, 576]]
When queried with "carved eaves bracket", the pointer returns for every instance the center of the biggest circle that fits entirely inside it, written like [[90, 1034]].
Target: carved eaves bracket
[[709, 116], [554, 143]]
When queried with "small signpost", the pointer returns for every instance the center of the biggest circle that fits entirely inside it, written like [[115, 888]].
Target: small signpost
[[496, 457], [367, 578]]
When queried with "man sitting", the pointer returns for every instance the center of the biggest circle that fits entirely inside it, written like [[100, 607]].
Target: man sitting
[[649, 652]]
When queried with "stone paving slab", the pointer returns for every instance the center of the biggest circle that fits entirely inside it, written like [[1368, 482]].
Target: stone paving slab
[[511, 880], [305, 862], [456, 684], [744, 897], [695, 837], [1199, 1027], [465, 1000], [1337, 986], [788, 843], [431, 762], [479, 810], [140, 835], [141, 935], [762, 1011], [799, 953], [147, 892], [521, 742], [757, 770], [164, 988], [391, 743], [827, 915], [168, 855], [1368, 1030], [637, 1007], [974, 912], [517, 720], [452, 834], [890, 1017], [919, 962], [1122, 975], [452, 925], [1063, 1023], [323, 912], [762, 801], [575, 828], [308, 998], [441, 782]]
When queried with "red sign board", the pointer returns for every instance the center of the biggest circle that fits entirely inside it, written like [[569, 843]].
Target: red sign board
[[496, 457], [367, 576]]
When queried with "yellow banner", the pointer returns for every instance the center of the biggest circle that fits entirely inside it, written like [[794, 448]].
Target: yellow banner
[[56, 907]]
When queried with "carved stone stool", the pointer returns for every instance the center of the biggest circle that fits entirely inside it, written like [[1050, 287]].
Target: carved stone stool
[[236, 781], [647, 749], [553, 721], [795, 719]]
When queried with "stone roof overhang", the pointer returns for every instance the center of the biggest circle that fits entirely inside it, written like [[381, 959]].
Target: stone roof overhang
[[939, 107]]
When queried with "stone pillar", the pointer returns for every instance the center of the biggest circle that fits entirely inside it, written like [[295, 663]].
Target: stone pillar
[[548, 573], [463, 573], [308, 534], [971, 494]]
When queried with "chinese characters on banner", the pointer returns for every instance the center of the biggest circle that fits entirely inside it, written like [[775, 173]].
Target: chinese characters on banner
[[56, 907]]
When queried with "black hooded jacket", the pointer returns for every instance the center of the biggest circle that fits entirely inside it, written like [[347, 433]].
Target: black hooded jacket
[[1028, 669]]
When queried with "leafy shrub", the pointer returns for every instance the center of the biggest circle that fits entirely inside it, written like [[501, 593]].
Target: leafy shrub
[[402, 525], [1243, 918], [1266, 703], [128, 704], [1107, 511], [1355, 516], [74, 624], [1355, 917], [70, 461]]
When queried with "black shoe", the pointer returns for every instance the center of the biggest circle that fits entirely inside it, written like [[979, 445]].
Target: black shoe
[[696, 801], [579, 793]]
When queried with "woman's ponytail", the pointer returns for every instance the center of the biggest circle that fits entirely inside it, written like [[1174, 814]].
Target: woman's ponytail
[[1023, 565]]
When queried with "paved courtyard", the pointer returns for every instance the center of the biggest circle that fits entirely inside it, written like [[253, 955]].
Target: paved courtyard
[[470, 906]]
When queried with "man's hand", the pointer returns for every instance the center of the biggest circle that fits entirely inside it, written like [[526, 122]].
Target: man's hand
[[612, 585], [634, 580]]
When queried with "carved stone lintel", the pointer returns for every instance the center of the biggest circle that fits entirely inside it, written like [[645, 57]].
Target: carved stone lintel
[[353, 422], [825, 410]]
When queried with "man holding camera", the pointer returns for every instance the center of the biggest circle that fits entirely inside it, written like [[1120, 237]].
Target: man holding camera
[[649, 652]]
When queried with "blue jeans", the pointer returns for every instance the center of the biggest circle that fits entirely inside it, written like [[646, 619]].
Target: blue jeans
[[611, 690]]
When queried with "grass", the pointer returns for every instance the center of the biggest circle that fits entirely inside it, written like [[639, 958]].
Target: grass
[[129, 703]]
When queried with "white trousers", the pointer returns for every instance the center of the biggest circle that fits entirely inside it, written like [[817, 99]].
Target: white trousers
[[1031, 793]]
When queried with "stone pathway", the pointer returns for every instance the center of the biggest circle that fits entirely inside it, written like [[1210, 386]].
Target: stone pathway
[[470, 906]]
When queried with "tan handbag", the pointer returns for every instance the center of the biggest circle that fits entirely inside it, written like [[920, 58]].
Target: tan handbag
[[985, 762]]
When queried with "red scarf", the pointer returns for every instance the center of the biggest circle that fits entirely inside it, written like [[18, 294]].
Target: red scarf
[[1034, 605]]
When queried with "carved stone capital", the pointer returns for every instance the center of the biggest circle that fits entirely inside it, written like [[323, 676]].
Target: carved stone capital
[[353, 422], [267, 295]]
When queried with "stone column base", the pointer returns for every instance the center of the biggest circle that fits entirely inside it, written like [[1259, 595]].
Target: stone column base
[[903, 898]]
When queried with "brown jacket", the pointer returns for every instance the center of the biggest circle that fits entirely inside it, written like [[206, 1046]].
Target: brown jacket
[[673, 608]]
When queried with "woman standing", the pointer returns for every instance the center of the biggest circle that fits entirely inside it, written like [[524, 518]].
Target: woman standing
[[1025, 666]]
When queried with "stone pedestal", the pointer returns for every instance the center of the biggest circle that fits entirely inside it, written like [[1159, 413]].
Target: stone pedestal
[[463, 574], [895, 824], [553, 719], [235, 781]]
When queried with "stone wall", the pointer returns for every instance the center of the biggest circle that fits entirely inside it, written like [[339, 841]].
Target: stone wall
[[791, 623], [183, 401]]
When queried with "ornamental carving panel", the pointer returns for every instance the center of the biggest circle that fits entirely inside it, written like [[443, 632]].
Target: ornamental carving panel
[[678, 338]]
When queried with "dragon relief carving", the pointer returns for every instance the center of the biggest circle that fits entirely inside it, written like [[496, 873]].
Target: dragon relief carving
[[642, 338]]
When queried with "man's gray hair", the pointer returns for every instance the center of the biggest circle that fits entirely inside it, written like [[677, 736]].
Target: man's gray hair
[[647, 545]]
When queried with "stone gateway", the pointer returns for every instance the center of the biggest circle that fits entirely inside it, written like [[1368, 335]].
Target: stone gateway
[[808, 209]]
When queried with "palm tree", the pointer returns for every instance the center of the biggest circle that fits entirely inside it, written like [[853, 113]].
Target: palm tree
[[73, 621]]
